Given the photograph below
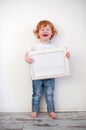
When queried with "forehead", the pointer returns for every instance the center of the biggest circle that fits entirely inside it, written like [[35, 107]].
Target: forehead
[[45, 26]]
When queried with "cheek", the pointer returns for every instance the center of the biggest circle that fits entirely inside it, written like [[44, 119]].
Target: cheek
[[40, 33], [51, 33]]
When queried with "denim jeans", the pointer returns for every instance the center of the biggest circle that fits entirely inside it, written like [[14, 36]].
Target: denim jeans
[[38, 86]]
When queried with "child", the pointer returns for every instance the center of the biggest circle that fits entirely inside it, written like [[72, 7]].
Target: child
[[44, 31]]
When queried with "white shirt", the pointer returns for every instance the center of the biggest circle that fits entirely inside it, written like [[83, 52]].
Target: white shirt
[[43, 46]]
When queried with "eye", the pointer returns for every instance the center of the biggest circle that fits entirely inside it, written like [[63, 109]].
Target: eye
[[42, 29], [48, 29]]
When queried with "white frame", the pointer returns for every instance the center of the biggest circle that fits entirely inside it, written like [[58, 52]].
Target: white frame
[[60, 68]]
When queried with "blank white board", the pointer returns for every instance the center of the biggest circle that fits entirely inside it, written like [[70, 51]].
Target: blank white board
[[51, 63]]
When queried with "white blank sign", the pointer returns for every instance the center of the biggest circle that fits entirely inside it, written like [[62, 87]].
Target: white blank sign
[[49, 64]]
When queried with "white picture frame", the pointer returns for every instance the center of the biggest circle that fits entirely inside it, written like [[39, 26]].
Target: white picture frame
[[51, 63]]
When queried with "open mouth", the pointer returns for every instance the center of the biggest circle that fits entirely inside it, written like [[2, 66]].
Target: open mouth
[[45, 35]]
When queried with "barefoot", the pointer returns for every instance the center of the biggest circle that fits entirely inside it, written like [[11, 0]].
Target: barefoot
[[33, 114], [53, 115]]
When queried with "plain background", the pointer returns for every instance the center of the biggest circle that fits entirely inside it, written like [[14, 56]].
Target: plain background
[[18, 19]]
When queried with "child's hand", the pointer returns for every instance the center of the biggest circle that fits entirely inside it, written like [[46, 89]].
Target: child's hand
[[68, 55], [28, 59]]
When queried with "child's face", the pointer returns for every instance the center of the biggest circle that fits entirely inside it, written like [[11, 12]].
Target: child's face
[[45, 33]]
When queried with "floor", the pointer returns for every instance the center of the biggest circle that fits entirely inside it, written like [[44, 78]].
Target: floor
[[22, 121]]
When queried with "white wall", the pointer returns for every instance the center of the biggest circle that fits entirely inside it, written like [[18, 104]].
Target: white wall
[[18, 19]]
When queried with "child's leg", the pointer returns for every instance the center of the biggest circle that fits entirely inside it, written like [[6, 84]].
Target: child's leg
[[49, 89], [37, 92]]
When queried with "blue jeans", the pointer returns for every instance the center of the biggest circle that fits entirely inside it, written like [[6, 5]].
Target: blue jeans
[[38, 86]]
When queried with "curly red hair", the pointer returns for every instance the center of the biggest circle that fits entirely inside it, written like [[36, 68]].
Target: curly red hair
[[44, 23]]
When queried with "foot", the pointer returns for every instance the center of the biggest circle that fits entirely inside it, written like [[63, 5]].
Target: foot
[[33, 114], [53, 115]]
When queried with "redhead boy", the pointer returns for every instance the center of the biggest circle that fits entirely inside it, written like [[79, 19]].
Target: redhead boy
[[44, 31]]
